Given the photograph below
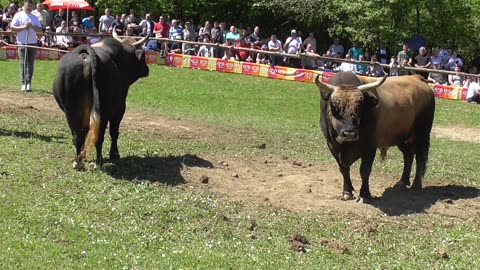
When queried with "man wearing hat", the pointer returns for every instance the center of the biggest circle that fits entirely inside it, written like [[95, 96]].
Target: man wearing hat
[[292, 46]]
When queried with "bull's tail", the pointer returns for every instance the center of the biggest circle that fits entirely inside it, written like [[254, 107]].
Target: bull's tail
[[94, 123]]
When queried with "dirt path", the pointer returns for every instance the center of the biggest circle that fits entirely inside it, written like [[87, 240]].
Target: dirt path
[[295, 185]]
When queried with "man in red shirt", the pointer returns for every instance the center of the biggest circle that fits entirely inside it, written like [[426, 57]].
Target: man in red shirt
[[242, 55], [160, 30]]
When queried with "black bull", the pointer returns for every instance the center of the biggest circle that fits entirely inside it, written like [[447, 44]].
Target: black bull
[[358, 118], [91, 87]]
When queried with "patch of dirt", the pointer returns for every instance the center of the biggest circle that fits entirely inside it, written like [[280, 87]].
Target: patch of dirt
[[457, 134], [299, 243], [132, 120], [284, 182]]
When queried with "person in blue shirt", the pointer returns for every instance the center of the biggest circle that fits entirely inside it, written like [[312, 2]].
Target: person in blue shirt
[[88, 22]]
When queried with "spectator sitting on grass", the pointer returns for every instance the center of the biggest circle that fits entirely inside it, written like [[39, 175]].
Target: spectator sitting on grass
[[473, 94]]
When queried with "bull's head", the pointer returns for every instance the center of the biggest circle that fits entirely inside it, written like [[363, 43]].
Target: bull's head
[[139, 64], [343, 106]]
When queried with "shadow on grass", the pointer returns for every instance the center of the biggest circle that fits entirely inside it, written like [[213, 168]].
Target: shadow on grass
[[165, 170], [29, 135], [396, 202]]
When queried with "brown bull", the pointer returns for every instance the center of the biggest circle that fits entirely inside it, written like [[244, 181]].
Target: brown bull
[[357, 117]]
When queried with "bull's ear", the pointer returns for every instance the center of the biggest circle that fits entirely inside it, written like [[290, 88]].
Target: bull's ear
[[139, 54], [370, 100], [325, 88]]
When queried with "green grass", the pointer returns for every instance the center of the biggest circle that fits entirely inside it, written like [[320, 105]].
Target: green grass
[[52, 217]]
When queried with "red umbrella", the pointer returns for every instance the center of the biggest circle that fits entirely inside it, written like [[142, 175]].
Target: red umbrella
[[67, 4]]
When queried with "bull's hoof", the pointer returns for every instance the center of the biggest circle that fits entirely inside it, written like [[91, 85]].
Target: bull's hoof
[[78, 165], [400, 185], [365, 200], [417, 185], [94, 166], [361, 200], [347, 196], [114, 156]]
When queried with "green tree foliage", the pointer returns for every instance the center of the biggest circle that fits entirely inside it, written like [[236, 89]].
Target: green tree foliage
[[391, 21]]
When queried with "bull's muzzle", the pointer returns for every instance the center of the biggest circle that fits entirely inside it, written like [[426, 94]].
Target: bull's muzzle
[[347, 136]]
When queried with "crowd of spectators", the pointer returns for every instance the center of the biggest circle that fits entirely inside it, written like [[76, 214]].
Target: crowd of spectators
[[235, 38]]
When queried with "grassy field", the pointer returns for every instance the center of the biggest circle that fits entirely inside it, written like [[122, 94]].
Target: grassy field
[[53, 217]]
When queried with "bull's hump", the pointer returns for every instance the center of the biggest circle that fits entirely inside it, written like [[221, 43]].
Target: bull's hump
[[344, 79]]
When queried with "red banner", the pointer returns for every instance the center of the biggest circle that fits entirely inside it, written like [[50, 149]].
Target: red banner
[[12, 53], [464, 94], [247, 68], [300, 75], [151, 57], [326, 76], [221, 65]]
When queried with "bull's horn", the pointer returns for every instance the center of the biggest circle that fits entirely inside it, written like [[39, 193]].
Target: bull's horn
[[141, 41], [325, 88], [115, 35], [373, 85]]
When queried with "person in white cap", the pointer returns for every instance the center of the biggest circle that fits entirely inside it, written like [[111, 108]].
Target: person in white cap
[[292, 46], [26, 25]]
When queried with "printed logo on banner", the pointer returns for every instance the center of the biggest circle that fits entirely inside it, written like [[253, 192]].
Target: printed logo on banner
[[255, 70], [177, 60], [203, 64], [277, 72], [300, 75], [272, 72], [229, 66], [247, 69], [151, 57], [221, 65], [169, 60], [11, 52], [194, 62], [326, 76], [309, 76]]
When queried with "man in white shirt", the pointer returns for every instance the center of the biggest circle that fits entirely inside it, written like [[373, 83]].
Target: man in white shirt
[[347, 66], [106, 21], [42, 15], [292, 46], [336, 47], [25, 24], [275, 45]]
